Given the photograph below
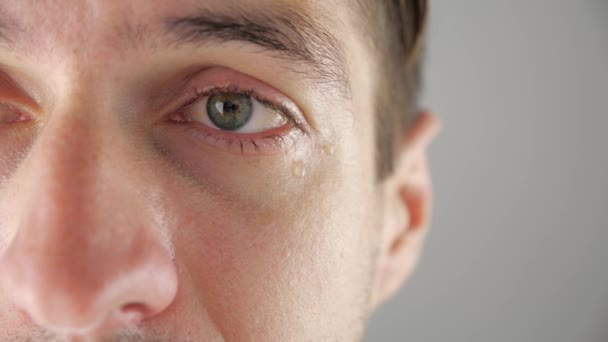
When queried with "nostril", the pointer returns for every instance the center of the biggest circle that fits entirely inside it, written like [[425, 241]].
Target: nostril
[[133, 313], [24, 317]]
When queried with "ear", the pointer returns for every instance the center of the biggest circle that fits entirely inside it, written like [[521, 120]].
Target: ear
[[407, 205]]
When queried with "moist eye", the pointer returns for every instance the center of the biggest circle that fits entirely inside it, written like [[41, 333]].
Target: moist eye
[[229, 111], [10, 115]]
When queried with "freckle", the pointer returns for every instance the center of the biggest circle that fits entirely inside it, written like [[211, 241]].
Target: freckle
[[298, 168]]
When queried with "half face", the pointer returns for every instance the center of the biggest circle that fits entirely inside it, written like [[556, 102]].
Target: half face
[[185, 170]]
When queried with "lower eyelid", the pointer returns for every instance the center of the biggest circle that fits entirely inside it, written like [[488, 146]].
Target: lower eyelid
[[268, 143]]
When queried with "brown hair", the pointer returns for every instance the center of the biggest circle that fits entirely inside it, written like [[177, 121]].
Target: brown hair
[[397, 34]]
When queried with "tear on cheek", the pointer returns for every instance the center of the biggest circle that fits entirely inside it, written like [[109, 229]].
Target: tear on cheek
[[243, 178]]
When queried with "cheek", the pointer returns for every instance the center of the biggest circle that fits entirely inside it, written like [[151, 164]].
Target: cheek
[[269, 251]]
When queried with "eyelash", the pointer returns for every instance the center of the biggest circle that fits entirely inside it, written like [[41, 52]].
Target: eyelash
[[278, 140]]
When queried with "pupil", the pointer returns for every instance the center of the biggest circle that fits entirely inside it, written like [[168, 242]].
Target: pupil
[[230, 107]]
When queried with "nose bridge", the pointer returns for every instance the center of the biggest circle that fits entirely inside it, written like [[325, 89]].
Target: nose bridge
[[82, 248], [61, 180], [68, 155]]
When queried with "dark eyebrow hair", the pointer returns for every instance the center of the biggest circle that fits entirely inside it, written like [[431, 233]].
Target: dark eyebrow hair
[[288, 34]]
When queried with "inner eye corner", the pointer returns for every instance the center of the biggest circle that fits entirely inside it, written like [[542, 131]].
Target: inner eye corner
[[10, 114]]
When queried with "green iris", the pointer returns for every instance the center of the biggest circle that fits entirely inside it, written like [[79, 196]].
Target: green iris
[[229, 111]]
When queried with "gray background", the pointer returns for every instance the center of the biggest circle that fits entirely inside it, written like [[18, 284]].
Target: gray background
[[519, 245]]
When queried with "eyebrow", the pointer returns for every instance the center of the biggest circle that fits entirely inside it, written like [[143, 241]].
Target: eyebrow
[[295, 35], [290, 35]]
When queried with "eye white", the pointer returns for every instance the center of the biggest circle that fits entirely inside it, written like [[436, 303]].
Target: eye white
[[262, 117]]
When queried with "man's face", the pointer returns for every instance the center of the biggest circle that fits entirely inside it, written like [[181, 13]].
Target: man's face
[[186, 170]]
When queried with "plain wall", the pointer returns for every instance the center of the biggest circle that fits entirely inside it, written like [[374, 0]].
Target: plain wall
[[518, 250]]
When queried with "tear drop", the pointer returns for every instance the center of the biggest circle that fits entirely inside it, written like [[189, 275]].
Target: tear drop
[[298, 168], [329, 149]]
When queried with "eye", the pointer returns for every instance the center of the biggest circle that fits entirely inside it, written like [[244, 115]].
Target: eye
[[10, 114], [236, 112]]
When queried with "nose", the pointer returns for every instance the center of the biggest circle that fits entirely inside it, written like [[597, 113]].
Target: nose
[[86, 250]]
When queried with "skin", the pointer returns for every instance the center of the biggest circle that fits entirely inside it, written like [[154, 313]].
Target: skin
[[118, 222]]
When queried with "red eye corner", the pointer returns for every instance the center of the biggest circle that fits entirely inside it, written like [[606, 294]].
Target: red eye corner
[[10, 114]]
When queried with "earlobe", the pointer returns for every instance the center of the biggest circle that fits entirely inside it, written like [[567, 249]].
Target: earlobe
[[407, 204]]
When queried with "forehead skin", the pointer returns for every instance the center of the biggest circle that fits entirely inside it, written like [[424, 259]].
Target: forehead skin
[[262, 251], [103, 29], [118, 34]]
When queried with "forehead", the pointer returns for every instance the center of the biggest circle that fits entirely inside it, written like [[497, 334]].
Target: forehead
[[312, 33], [42, 24], [315, 39]]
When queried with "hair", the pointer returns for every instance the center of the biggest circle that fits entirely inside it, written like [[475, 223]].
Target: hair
[[397, 30]]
